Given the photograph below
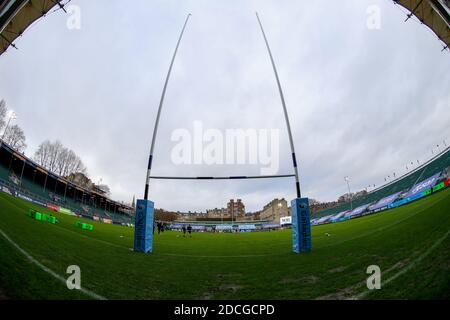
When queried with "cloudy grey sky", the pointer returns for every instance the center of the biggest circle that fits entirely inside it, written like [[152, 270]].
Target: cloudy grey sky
[[362, 102]]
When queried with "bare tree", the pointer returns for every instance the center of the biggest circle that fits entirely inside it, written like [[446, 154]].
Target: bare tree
[[47, 154], [103, 188], [62, 161], [65, 162], [56, 149], [15, 137], [80, 179], [42, 154], [68, 162], [58, 159]]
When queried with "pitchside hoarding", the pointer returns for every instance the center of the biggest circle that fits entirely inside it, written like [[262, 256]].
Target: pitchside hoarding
[[39, 203], [409, 199], [6, 190], [439, 186], [270, 226], [107, 221], [52, 207], [285, 220], [23, 197], [224, 227], [66, 211], [247, 227]]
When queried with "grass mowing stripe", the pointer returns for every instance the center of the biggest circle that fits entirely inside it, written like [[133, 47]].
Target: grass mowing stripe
[[171, 254], [47, 270], [175, 254], [164, 254], [275, 254], [409, 267], [371, 232], [176, 272], [387, 226], [341, 294], [77, 233]]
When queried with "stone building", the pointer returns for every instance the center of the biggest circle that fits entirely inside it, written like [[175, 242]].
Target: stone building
[[274, 210]]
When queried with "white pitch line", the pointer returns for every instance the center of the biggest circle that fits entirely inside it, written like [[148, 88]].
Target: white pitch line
[[409, 267], [384, 227], [175, 254], [47, 270]]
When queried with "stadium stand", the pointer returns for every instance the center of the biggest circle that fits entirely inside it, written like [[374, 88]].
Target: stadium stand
[[30, 181], [25, 178], [340, 216], [357, 212], [437, 164]]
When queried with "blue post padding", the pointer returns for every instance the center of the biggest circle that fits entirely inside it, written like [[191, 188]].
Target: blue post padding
[[143, 226], [301, 225]]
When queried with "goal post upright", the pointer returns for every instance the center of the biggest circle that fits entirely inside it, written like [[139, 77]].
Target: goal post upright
[[144, 216], [301, 225], [158, 115]]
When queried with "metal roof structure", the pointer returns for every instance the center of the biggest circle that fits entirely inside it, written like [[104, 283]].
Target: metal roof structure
[[17, 15], [433, 13]]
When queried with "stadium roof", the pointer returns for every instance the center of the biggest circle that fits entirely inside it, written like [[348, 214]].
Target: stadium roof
[[18, 15], [433, 13]]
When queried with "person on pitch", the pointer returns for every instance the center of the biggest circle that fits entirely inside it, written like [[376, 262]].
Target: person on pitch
[[159, 227]]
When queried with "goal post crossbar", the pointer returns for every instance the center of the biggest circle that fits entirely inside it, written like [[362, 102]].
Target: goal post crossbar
[[224, 178]]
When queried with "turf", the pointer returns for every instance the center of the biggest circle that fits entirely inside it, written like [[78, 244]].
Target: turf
[[411, 245]]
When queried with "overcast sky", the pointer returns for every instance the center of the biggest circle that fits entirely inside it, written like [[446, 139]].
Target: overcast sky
[[363, 103]]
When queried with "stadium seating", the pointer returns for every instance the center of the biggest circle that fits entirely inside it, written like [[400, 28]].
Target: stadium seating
[[404, 183], [340, 216], [224, 227], [28, 188], [247, 227]]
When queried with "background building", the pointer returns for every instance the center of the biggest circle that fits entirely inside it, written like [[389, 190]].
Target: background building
[[236, 209], [274, 210], [217, 213]]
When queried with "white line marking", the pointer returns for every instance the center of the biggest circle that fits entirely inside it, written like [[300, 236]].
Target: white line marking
[[47, 270], [409, 267], [267, 255], [173, 254], [370, 232], [384, 227]]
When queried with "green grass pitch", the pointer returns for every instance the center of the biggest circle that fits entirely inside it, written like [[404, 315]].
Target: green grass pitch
[[411, 245]]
